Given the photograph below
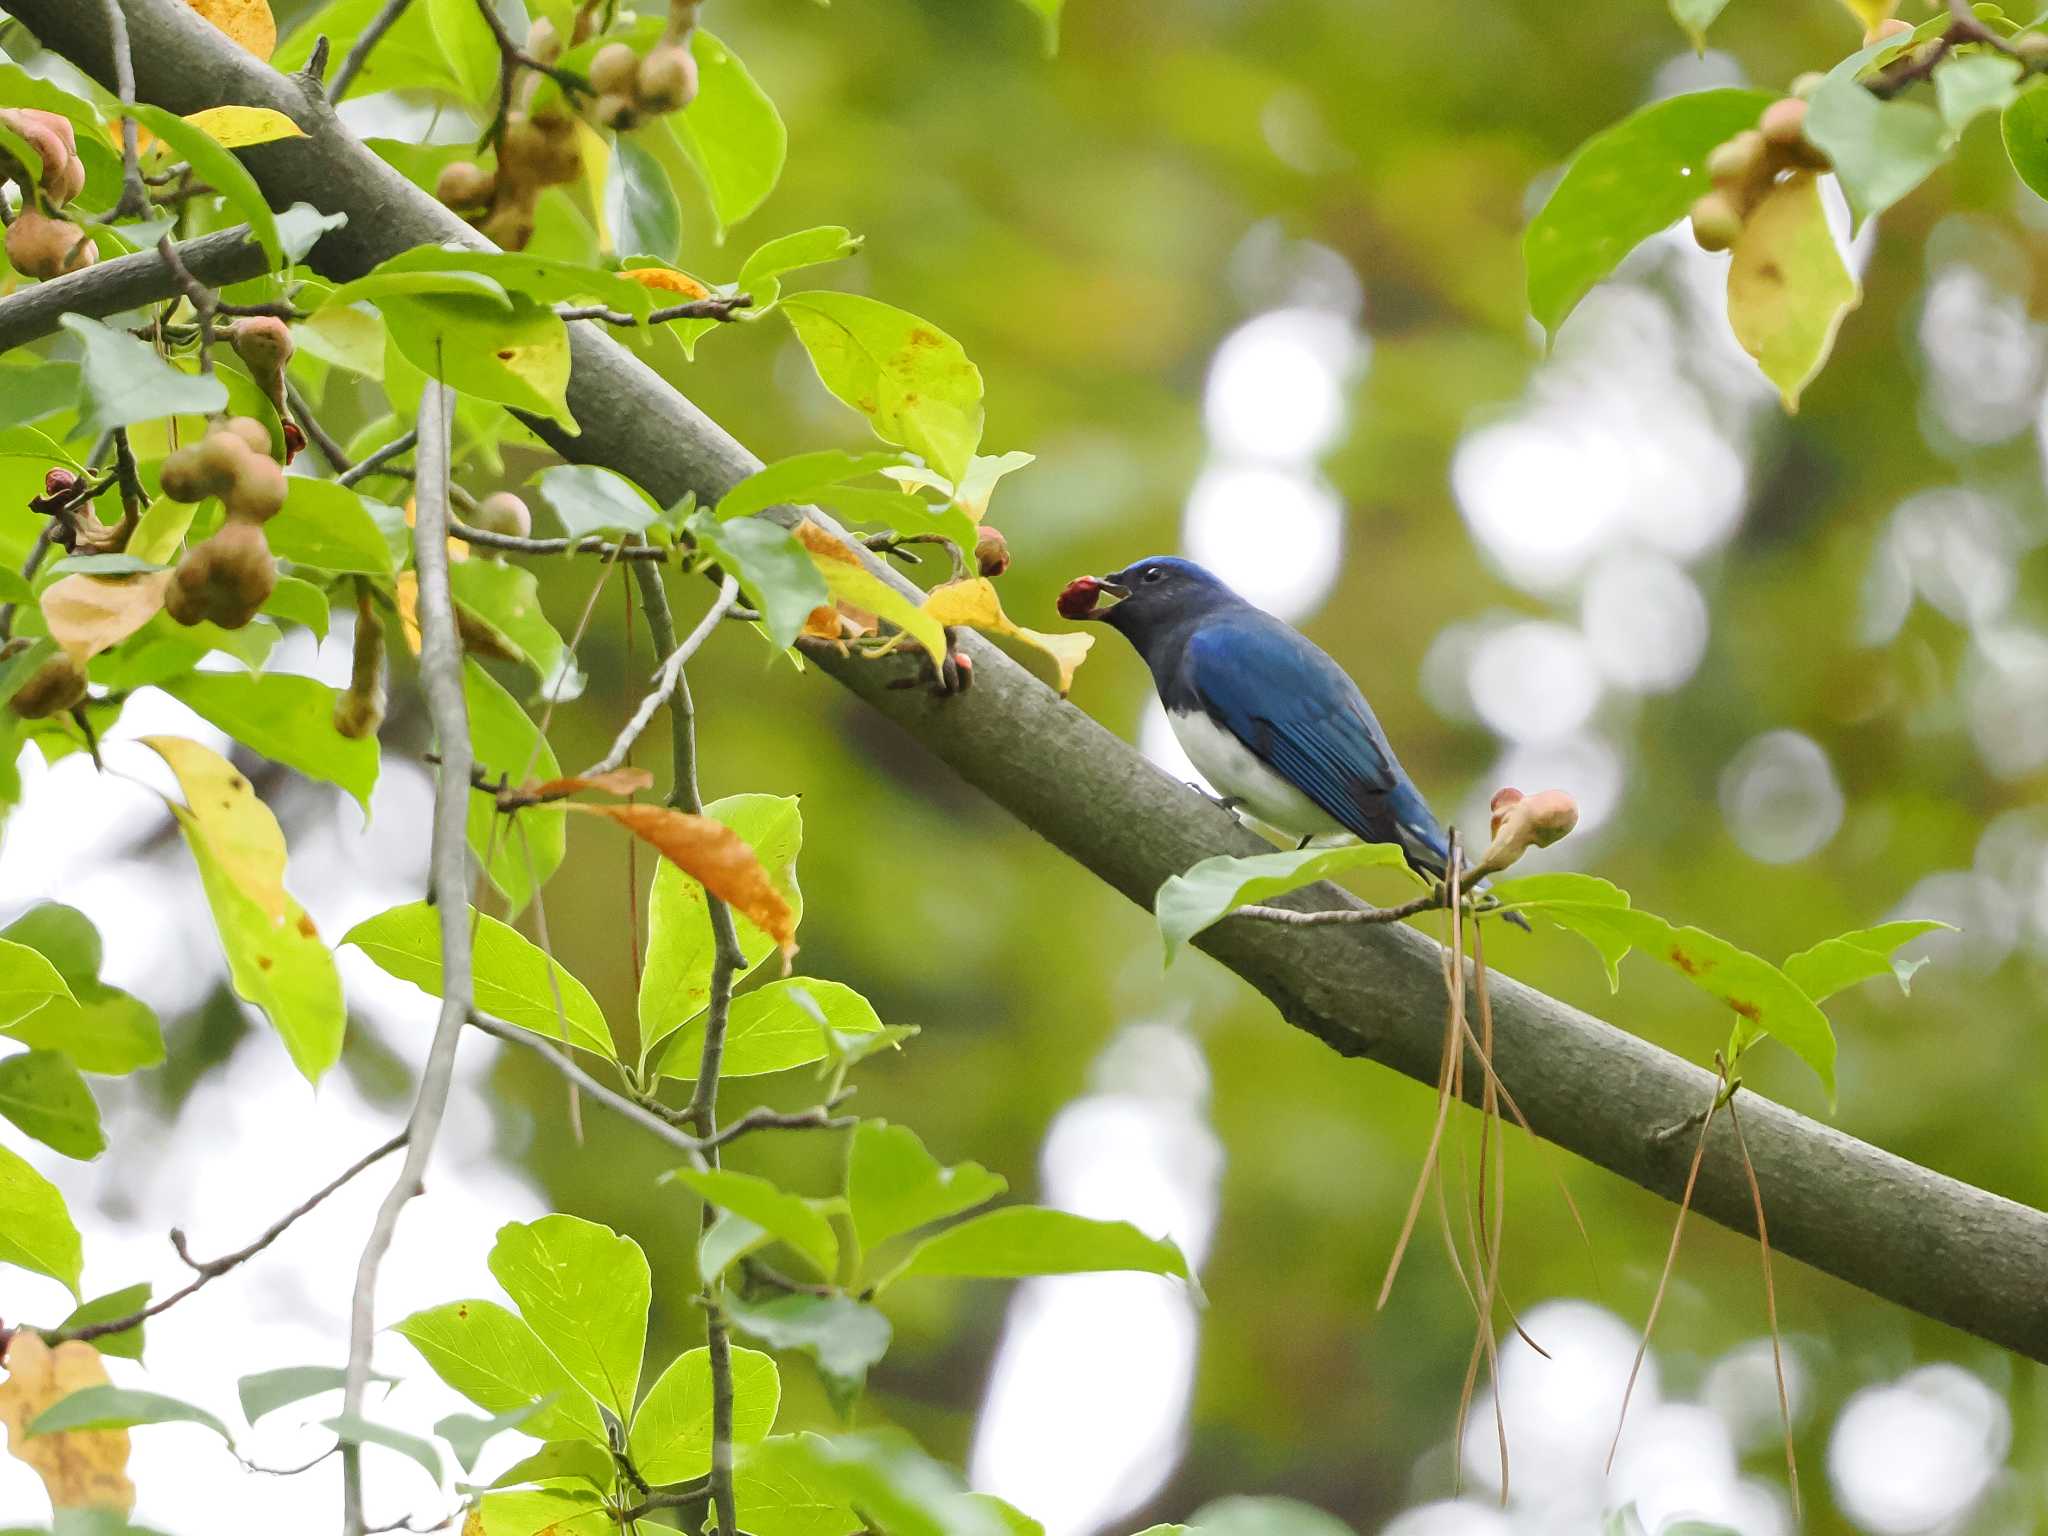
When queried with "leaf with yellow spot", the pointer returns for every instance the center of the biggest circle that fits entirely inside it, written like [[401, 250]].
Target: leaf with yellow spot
[[248, 22], [1788, 287], [275, 957], [852, 584], [239, 127], [80, 1468], [667, 280], [88, 614], [974, 603]]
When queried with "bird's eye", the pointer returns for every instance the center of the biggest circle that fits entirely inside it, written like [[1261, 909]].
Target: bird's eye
[[1153, 573]]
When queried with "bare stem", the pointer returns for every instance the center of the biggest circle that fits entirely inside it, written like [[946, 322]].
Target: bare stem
[[668, 679], [448, 882], [359, 55], [134, 195]]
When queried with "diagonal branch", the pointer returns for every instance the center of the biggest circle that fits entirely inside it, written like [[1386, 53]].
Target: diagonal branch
[[127, 282], [1934, 1244]]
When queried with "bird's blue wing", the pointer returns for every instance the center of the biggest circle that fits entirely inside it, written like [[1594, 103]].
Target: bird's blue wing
[[1298, 712]]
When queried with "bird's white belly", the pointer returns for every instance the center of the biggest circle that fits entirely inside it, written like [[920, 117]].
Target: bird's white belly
[[1232, 770]]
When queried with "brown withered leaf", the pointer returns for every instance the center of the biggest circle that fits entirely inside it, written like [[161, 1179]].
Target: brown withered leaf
[[248, 22], [619, 781], [87, 614], [81, 1468], [710, 852]]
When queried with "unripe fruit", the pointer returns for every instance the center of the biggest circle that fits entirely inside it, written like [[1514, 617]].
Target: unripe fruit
[[224, 579], [357, 715], [1716, 222], [668, 79], [543, 42], [264, 343], [614, 68], [618, 112], [199, 470], [502, 512], [991, 551], [247, 429], [1737, 161], [40, 246], [58, 480], [1887, 29], [1783, 124], [509, 226], [464, 184], [2032, 47], [258, 492], [60, 173], [555, 157], [58, 685], [1804, 85]]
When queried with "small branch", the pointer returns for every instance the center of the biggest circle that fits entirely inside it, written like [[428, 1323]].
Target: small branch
[[817, 1118], [589, 544], [1434, 901], [895, 544], [667, 683], [134, 196], [125, 283], [209, 1270], [448, 882], [693, 1495], [318, 435], [611, 1098], [714, 308], [359, 55], [376, 461]]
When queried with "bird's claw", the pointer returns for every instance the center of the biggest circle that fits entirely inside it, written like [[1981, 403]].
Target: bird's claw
[[952, 676]]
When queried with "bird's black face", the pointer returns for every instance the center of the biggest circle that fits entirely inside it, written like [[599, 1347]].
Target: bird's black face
[[1144, 596]]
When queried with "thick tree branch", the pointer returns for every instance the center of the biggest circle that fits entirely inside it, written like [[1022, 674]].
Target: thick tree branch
[[127, 282], [1938, 1246], [448, 886]]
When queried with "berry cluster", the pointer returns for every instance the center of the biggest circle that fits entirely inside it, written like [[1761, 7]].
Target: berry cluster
[[1748, 165], [631, 87], [38, 244], [226, 578]]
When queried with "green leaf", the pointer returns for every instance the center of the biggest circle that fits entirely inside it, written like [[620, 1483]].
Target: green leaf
[[467, 1435], [1788, 287], [1021, 1240], [1013, 1519], [1048, 14], [35, 1226], [732, 135], [562, 1459], [805, 1225], [585, 1290], [354, 1429], [34, 394], [101, 1028], [466, 44], [844, 1336], [41, 1092], [1966, 85], [911, 380], [122, 381], [507, 741], [512, 980], [1529, 892], [331, 528], [775, 1028], [286, 718], [545, 1512], [882, 1473], [1624, 185], [1265, 1515], [1216, 887], [675, 980], [105, 1407], [787, 1495], [499, 1363], [126, 1302], [517, 357], [775, 575], [894, 1185], [507, 596], [728, 1239], [1695, 16], [798, 479], [2025, 126], [591, 500], [1881, 149], [499, 276], [265, 1392], [1837, 963], [28, 982], [641, 205], [762, 273], [219, 169], [297, 601], [671, 1438]]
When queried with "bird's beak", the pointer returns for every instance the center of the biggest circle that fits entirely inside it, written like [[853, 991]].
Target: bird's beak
[[1110, 590], [1082, 597]]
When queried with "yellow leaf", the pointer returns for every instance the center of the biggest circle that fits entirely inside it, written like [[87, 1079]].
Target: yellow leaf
[[852, 583], [457, 549], [715, 856], [667, 280], [161, 530], [1788, 288], [974, 603], [406, 594], [239, 127], [597, 168], [81, 1468], [223, 811], [248, 22], [87, 614], [1870, 12]]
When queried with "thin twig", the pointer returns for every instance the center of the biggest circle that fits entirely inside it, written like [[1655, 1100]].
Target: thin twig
[[210, 1270], [448, 868], [330, 449], [694, 1494], [589, 544], [134, 196], [818, 1117], [716, 307], [1430, 903], [358, 55], [371, 463], [611, 1098], [667, 681], [1763, 1237]]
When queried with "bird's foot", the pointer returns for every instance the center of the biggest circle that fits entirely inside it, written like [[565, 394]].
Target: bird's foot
[[952, 676], [1228, 803]]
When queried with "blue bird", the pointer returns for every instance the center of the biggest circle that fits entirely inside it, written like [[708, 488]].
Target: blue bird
[[1262, 711]]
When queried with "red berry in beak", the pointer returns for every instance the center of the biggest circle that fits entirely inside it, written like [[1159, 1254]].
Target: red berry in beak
[[1078, 597]]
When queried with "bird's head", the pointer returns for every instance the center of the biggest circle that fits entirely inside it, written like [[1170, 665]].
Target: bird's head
[[1146, 596]]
